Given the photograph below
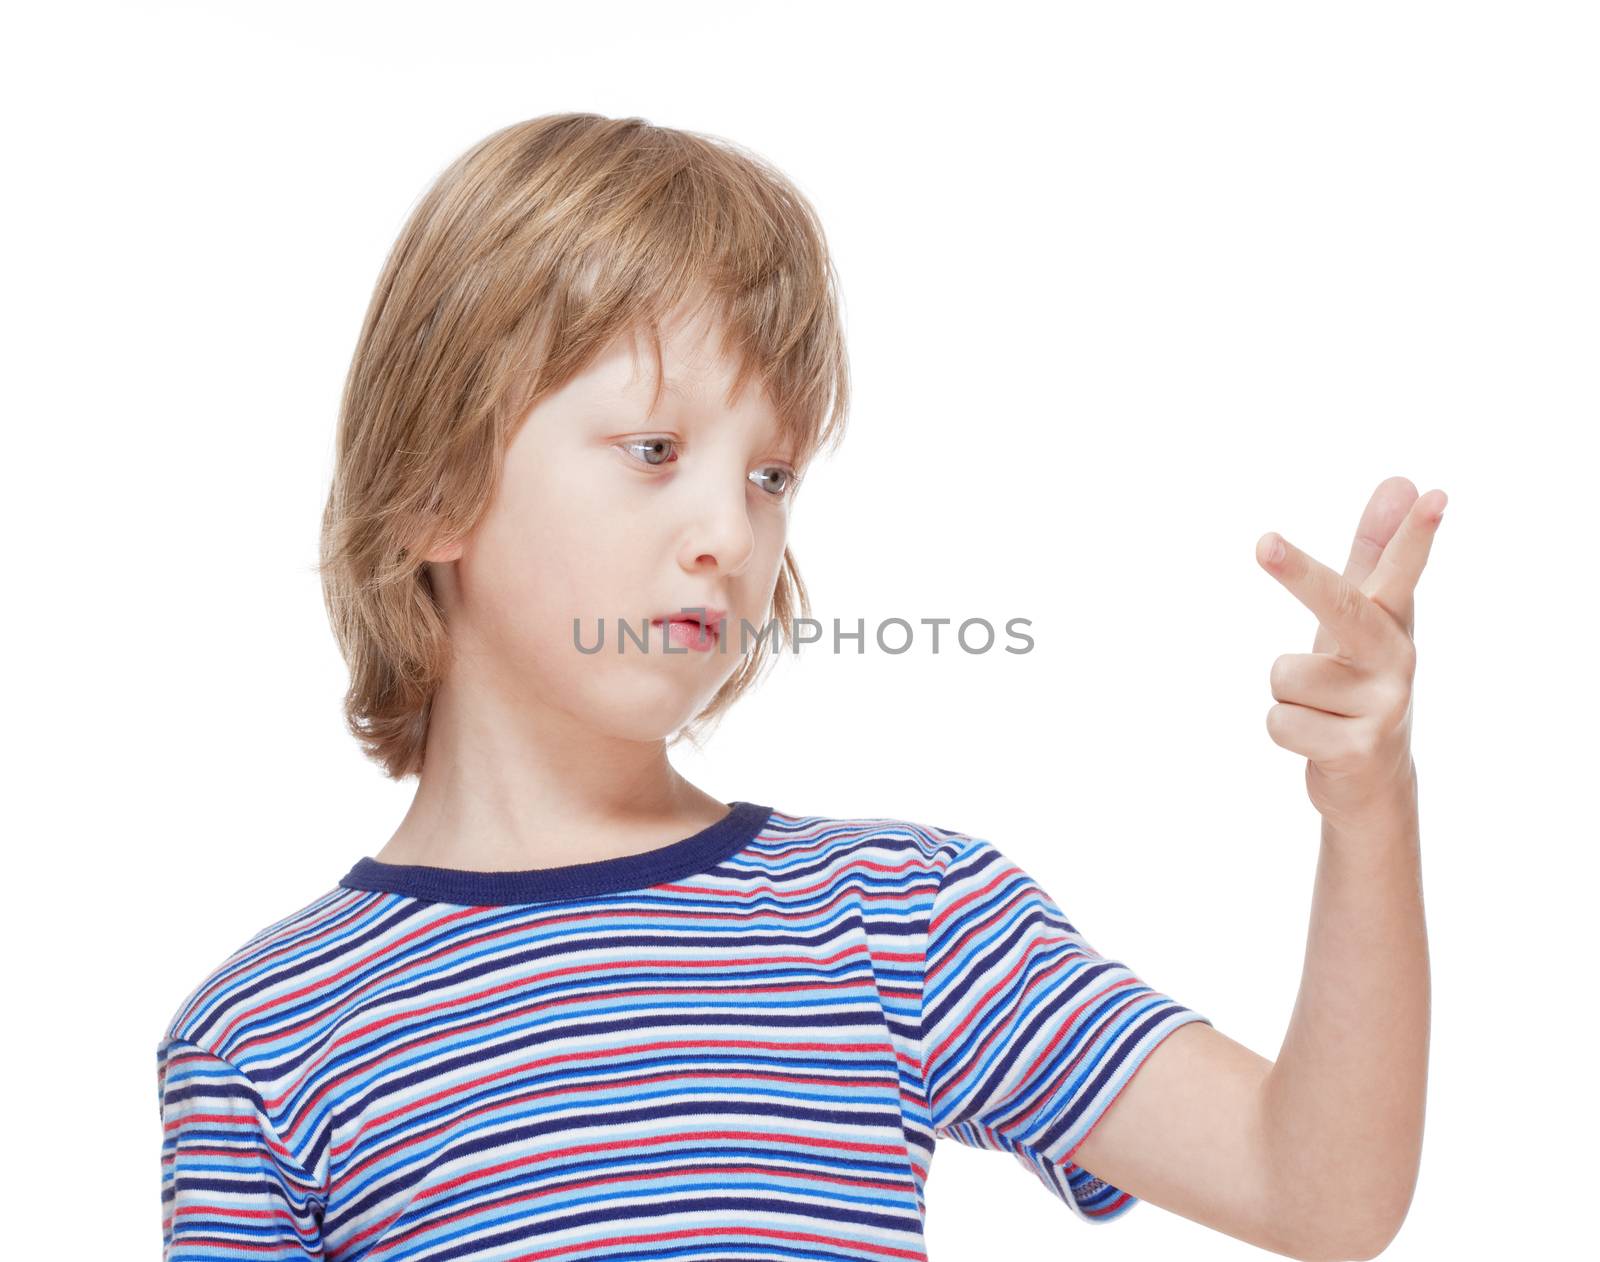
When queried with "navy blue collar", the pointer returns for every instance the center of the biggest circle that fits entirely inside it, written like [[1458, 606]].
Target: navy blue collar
[[672, 862]]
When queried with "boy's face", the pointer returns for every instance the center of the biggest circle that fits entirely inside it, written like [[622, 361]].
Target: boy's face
[[603, 511]]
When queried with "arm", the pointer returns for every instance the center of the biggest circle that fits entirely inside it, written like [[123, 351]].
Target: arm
[[230, 1187], [1344, 1103], [1316, 1156]]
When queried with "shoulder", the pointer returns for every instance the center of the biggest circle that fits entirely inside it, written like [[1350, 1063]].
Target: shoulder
[[271, 971], [908, 842], [953, 867]]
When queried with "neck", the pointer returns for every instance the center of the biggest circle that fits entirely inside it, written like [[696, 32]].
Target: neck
[[508, 786]]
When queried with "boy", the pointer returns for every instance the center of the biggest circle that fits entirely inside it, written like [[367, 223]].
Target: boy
[[576, 1007]]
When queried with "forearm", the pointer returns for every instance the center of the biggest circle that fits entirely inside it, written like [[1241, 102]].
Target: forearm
[[1345, 1099]]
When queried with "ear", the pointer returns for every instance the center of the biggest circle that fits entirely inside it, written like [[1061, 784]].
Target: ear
[[439, 553]]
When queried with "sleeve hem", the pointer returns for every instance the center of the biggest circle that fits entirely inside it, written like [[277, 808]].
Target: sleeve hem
[[1093, 1199]]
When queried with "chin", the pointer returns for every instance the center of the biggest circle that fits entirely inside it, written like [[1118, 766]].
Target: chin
[[643, 728], [639, 711]]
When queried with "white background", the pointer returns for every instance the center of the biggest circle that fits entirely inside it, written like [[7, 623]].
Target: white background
[[1126, 287]]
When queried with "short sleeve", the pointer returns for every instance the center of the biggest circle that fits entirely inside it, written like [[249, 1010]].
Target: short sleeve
[[1028, 1034], [230, 1187]]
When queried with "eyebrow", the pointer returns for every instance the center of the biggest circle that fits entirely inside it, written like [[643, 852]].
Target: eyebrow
[[683, 393], [669, 386]]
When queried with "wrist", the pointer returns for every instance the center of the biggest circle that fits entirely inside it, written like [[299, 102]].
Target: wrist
[[1388, 812]]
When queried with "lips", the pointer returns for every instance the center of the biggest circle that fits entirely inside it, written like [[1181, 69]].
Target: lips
[[710, 617], [691, 628]]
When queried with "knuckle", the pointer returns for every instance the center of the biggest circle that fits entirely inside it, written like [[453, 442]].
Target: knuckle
[[1368, 741], [1396, 700], [1348, 600]]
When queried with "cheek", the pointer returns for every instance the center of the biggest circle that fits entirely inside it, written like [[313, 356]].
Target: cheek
[[551, 553], [768, 562]]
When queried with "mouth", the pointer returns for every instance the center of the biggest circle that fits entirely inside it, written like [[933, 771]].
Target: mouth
[[699, 631]]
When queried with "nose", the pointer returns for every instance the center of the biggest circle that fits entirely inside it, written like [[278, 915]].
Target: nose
[[719, 536]]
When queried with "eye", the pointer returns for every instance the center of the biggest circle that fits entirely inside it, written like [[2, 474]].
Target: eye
[[777, 480], [655, 449]]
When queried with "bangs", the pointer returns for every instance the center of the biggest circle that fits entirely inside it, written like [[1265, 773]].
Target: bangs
[[671, 221]]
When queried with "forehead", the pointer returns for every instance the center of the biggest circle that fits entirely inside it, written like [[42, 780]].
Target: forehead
[[691, 353], [694, 369]]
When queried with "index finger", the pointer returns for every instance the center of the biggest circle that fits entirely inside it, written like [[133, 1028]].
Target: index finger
[[1339, 605]]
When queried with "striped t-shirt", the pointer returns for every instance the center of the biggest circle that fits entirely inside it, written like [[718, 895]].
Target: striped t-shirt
[[738, 1046]]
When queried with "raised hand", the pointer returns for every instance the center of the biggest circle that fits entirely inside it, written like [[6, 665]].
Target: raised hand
[[1346, 705]]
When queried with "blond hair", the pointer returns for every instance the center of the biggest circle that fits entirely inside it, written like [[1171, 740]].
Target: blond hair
[[528, 255]]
